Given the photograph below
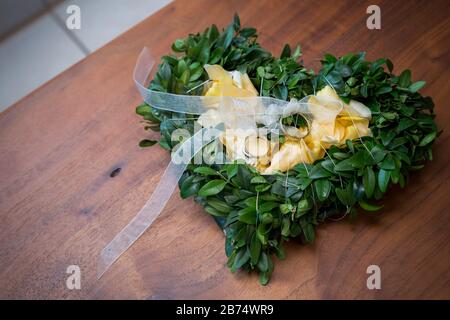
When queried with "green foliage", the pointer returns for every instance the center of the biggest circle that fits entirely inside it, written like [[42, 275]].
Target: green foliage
[[260, 213]]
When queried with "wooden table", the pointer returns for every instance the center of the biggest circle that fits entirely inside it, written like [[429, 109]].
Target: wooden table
[[60, 207]]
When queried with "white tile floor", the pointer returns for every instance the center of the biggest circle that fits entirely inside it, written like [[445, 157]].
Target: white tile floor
[[42, 49]]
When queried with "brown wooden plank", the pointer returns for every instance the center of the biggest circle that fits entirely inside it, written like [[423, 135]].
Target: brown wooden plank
[[59, 206]]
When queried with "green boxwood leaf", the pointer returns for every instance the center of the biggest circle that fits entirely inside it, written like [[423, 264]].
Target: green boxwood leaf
[[231, 258], [243, 177], [390, 65], [323, 187], [304, 205], [216, 55], [267, 206], [378, 154], [395, 176], [212, 211], [263, 263], [143, 109], [212, 187], [427, 139], [286, 208], [369, 182], [181, 67], [344, 165], [241, 258], [319, 172], [383, 89], [264, 278], [147, 143], [219, 205], [340, 155], [308, 230], [250, 202], [227, 37], [152, 118], [189, 187], [360, 159], [405, 79], [295, 230], [285, 227], [247, 215], [266, 218], [258, 179], [279, 251], [231, 170], [261, 234], [179, 45], [383, 179], [206, 171], [255, 249], [369, 207], [286, 52], [247, 32], [203, 56], [416, 86], [404, 124], [387, 136], [346, 195], [262, 187], [388, 163], [196, 74]]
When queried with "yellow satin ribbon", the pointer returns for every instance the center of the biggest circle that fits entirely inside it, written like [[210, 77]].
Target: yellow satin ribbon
[[328, 126]]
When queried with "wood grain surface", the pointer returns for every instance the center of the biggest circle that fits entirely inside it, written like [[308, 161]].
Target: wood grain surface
[[60, 207]]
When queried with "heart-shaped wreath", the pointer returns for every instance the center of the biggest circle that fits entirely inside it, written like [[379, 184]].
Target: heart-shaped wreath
[[258, 211]]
